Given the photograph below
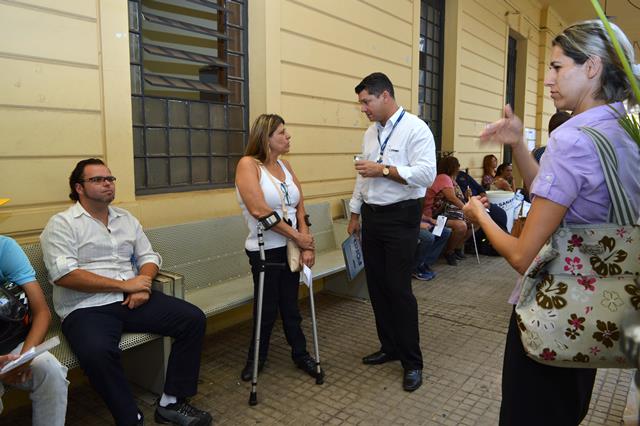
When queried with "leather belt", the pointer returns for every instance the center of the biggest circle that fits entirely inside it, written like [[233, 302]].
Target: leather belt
[[391, 207]]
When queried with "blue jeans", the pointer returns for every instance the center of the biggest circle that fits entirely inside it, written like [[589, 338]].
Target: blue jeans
[[48, 389], [430, 247]]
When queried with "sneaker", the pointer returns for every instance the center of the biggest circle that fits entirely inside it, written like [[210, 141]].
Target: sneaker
[[459, 254], [424, 276], [183, 414], [451, 259], [308, 365]]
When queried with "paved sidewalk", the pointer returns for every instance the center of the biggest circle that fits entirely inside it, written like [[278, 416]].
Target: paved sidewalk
[[463, 320]]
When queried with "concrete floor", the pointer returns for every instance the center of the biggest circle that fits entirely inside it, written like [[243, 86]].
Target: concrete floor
[[463, 321]]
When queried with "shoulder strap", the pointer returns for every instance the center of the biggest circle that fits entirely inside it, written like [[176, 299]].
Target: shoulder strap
[[621, 211], [284, 209]]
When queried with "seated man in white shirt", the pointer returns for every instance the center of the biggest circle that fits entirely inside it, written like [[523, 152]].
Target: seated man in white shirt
[[102, 266]]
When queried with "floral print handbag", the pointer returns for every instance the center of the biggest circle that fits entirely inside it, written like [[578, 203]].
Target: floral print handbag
[[582, 284]]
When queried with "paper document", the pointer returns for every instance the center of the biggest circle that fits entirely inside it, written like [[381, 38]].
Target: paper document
[[31, 354], [306, 275], [353, 259], [437, 231]]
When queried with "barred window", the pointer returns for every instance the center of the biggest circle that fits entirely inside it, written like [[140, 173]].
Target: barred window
[[431, 58], [188, 92]]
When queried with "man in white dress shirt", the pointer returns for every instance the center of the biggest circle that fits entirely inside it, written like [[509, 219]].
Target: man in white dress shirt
[[397, 166], [102, 266]]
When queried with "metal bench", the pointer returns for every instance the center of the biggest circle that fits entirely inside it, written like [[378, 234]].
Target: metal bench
[[209, 264], [203, 262], [151, 348]]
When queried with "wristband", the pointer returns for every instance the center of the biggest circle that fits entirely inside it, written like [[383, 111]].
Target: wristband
[[270, 220]]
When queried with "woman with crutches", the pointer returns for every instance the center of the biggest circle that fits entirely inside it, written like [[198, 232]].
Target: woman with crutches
[[269, 193]]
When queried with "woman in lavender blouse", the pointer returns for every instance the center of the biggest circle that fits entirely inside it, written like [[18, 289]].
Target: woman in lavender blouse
[[584, 77]]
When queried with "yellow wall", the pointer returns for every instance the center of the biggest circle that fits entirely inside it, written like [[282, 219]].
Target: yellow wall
[[65, 92], [326, 48], [65, 96], [476, 44]]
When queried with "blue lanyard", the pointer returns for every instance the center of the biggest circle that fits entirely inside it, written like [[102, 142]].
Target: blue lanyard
[[383, 146]]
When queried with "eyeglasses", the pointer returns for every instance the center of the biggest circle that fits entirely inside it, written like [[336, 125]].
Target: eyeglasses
[[285, 191], [99, 179]]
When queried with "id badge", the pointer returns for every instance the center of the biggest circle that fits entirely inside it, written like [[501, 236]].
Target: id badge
[[437, 231], [379, 159]]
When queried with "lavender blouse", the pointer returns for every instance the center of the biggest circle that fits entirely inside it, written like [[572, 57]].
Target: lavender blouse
[[570, 173]]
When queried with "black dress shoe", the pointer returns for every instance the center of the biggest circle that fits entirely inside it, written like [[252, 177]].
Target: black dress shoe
[[378, 358], [459, 254], [308, 365], [412, 380], [451, 259], [247, 371]]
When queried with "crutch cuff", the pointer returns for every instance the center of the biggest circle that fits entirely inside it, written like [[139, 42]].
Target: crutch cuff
[[270, 220]]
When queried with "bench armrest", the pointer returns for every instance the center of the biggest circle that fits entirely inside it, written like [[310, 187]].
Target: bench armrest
[[169, 283]]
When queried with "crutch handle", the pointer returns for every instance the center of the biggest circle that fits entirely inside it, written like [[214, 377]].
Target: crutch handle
[[263, 266]]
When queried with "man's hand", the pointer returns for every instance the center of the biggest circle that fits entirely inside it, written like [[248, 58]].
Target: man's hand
[[135, 300], [369, 168], [16, 376], [308, 257], [354, 224], [140, 283]]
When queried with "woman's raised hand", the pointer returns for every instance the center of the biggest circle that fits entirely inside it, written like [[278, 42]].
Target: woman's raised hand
[[506, 131]]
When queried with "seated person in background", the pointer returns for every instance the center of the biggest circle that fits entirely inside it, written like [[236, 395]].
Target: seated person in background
[[498, 215], [102, 266], [444, 197], [429, 248], [466, 183], [489, 164], [555, 121], [44, 377], [504, 178]]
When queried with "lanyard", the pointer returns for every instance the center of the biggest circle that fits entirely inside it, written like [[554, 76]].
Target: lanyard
[[384, 145]]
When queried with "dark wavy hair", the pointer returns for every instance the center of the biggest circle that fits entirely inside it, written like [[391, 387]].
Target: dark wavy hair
[[501, 169], [78, 171], [448, 165], [487, 164]]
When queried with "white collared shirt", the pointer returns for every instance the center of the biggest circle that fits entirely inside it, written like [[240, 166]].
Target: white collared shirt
[[73, 239], [411, 150]]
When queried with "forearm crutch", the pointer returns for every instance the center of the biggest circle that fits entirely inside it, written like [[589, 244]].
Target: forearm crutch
[[253, 397], [314, 327]]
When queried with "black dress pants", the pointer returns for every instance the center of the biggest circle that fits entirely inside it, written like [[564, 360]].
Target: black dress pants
[[538, 394], [94, 334], [280, 292], [389, 239]]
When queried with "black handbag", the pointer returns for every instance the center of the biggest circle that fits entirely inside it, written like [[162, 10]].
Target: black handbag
[[15, 317]]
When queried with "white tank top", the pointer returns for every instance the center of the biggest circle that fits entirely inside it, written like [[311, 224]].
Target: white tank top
[[272, 196]]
